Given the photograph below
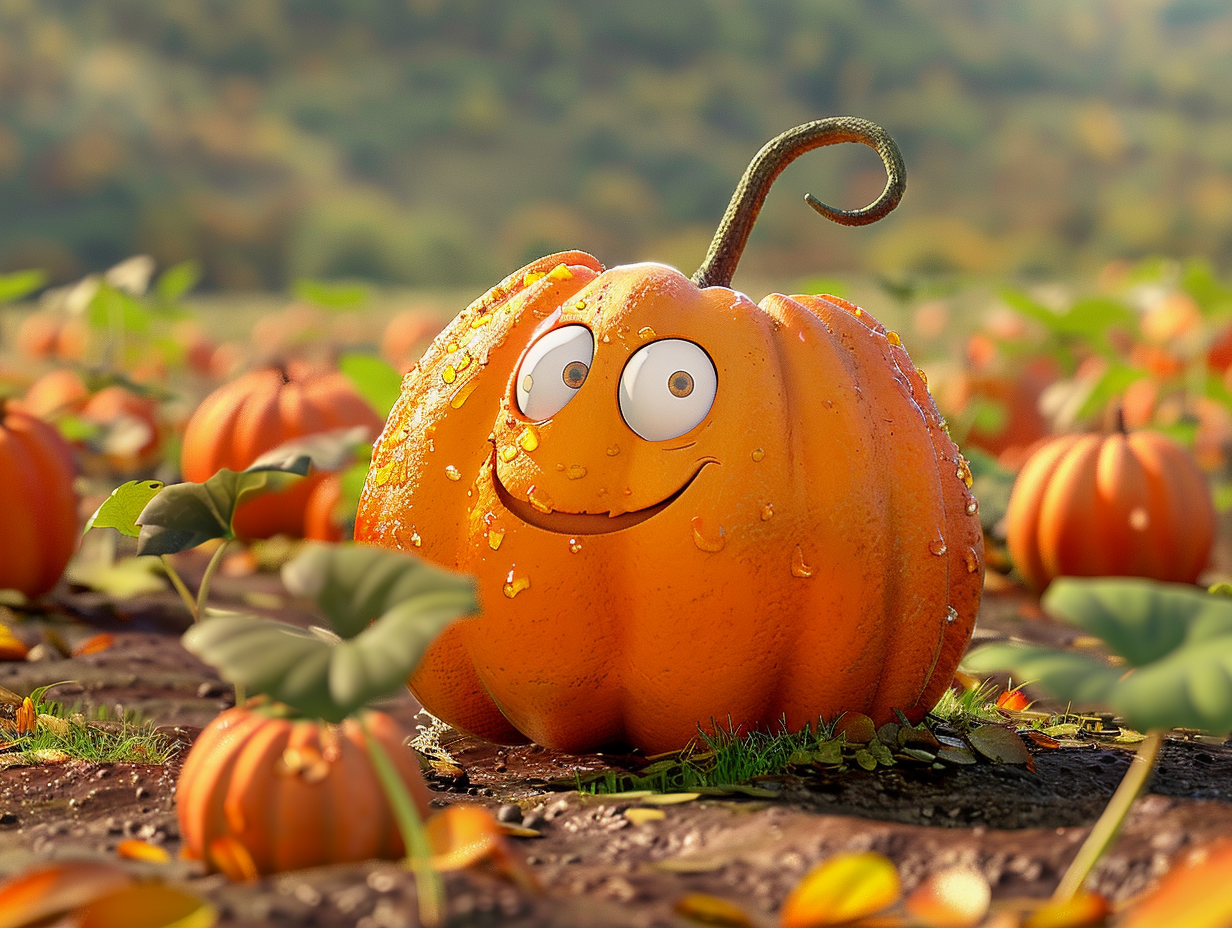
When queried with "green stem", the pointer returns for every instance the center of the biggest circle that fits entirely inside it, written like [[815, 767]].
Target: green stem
[[180, 587], [431, 890], [204, 590], [1112, 818]]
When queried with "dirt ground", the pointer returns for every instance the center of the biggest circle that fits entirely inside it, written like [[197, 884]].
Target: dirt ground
[[596, 866]]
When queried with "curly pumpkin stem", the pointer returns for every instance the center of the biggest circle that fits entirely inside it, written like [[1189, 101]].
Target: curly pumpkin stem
[[733, 232]]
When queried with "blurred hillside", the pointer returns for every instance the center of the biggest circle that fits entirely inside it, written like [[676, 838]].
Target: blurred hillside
[[443, 142]]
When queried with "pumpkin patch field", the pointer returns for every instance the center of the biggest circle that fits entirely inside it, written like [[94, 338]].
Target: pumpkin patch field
[[907, 605]]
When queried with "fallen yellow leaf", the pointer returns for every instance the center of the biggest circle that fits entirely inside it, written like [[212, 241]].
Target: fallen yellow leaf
[[844, 888]]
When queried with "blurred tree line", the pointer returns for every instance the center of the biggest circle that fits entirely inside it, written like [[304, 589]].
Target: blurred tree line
[[433, 142]]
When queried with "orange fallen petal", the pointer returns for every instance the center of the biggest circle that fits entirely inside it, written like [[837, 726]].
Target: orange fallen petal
[[233, 859], [955, 898], [132, 849], [844, 888], [1196, 893], [1013, 700], [42, 893], [147, 905], [465, 835], [712, 910], [95, 643]]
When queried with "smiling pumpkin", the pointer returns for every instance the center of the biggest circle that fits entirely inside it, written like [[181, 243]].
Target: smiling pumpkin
[[682, 508]]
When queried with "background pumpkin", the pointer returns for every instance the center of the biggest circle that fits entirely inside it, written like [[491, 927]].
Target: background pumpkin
[[1126, 504], [240, 421], [38, 508], [801, 496], [293, 792]]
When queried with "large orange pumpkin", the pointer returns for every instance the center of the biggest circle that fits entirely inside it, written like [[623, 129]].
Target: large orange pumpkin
[[293, 793], [240, 421], [682, 508], [1126, 504], [38, 508]]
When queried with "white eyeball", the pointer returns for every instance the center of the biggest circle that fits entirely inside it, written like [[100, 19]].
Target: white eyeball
[[553, 370], [667, 388]]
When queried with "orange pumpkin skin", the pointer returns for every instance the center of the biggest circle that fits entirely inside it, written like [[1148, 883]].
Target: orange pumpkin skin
[[1125, 505], [56, 393], [240, 421], [320, 523], [294, 792], [112, 403], [825, 555], [38, 507]]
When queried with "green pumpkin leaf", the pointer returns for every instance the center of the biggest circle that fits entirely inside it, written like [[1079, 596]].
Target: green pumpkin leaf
[[1176, 641], [121, 509], [20, 283], [377, 381], [177, 280], [399, 606]]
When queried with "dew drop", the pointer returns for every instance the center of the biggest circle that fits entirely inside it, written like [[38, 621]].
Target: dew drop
[[893, 339], [529, 439], [937, 546], [508, 453], [758, 454], [540, 500], [646, 332], [1139, 519], [973, 561], [798, 567], [574, 546], [451, 348], [705, 543], [923, 377], [531, 277], [495, 537], [627, 491], [381, 474], [560, 272], [973, 506], [964, 471], [463, 363], [613, 450], [515, 585], [767, 512], [481, 321], [951, 615], [580, 304], [453, 473], [463, 391], [857, 311], [449, 375], [415, 539], [607, 339], [576, 472], [560, 466]]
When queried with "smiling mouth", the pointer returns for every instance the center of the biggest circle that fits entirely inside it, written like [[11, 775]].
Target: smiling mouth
[[585, 523]]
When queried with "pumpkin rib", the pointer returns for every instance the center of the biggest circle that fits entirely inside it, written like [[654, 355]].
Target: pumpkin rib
[[297, 807], [1121, 488], [1070, 503], [22, 561], [358, 819], [50, 496], [1176, 480], [1023, 512], [249, 814]]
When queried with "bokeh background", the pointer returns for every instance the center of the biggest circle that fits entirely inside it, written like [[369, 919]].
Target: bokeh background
[[445, 142]]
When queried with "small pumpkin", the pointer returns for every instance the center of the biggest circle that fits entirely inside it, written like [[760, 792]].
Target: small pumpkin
[[256, 413], [56, 393], [681, 507], [45, 336], [321, 521], [135, 438], [38, 507], [292, 793], [1130, 504]]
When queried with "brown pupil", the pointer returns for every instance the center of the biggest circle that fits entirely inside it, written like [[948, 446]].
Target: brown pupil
[[680, 383], [575, 374]]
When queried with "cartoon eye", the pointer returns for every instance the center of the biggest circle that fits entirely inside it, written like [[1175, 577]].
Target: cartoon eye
[[553, 370], [667, 388]]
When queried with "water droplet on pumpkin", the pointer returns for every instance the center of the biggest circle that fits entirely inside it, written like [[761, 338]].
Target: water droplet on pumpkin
[[465, 390], [508, 453], [858, 311], [415, 539], [580, 304], [576, 472], [627, 491], [964, 471], [973, 506], [923, 377], [453, 473], [937, 546], [529, 439], [449, 375], [646, 332], [481, 321], [574, 546], [798, 567], [1139, 519], [515, 585], [560, 466], [451, 347], [707, 542], [463, 363], [495, 537], [560, 272], [973, 561], [767, 512], [893, 339], [607, 339], [531, 277], [613, 450], [951, 615], [381, 474], [758, 454], [539, 499]]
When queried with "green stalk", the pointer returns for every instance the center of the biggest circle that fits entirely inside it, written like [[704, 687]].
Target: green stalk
[[1108, 826], [204, 590], [180, 587], [431, 891]]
